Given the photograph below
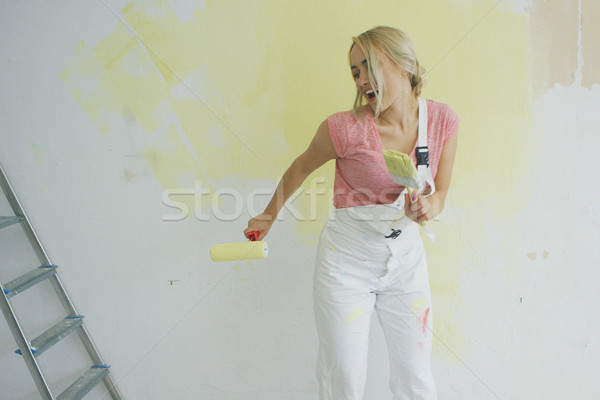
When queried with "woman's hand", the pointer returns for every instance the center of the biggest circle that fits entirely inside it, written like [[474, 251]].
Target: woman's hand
[[261, 223], [420, 210]]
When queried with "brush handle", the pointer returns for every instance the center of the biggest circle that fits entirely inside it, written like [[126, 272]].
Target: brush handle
[[253, 235], [410, 193]]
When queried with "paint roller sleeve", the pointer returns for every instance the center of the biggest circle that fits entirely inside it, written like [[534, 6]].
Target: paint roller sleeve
[[239, 251]]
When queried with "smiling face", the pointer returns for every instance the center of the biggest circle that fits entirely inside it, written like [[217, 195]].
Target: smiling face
[[385, 69], [385, 81], [360, 72]]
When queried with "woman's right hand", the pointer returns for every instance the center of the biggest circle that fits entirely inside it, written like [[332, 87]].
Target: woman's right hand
[[261, 223]]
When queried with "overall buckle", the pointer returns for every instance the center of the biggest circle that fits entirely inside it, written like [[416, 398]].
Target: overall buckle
[[422, 155]]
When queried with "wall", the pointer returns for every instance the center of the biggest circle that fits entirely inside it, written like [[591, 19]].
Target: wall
[[119, 115]]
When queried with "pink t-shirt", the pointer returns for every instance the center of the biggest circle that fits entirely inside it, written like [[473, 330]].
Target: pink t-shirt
[[361, 176]]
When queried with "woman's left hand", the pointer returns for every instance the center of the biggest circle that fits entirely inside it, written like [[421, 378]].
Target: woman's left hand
[[419, 210]]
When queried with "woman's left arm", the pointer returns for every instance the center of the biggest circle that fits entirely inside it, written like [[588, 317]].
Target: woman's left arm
[[424, 209]]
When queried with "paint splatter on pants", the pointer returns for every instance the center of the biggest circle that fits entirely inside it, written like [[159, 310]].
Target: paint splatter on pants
[[359, 270]]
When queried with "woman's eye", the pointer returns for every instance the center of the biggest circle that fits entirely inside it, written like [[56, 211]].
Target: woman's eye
[[355, 75]]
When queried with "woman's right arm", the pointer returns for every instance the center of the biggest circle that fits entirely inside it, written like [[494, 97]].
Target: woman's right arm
[[318, 153]]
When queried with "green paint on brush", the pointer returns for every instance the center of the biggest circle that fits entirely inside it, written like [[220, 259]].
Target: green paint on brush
[[402, 169]]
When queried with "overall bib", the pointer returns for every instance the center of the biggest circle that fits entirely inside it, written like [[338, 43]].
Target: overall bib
[[372, 258]]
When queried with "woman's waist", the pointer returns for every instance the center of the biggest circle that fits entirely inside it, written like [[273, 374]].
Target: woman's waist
[[381, 223], [346, 196]]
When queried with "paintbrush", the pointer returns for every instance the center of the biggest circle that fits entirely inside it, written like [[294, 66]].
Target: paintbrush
[[403, 171]]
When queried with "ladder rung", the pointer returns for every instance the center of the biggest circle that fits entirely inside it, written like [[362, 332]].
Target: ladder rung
[[54, 335], [29, 279], [85, 383], [8, 221]]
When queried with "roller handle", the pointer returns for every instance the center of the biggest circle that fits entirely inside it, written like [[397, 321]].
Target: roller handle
[[253, 235]]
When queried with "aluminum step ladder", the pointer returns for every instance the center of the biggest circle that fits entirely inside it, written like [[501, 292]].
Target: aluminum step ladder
[[99, 371]]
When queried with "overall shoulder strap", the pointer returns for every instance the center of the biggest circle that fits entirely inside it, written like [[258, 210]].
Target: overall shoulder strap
[[422, 153], [422, 122]]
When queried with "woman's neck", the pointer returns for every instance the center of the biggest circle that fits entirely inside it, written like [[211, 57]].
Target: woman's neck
[[401, 113]]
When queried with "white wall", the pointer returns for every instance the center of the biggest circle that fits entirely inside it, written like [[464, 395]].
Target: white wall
[[175, 325]]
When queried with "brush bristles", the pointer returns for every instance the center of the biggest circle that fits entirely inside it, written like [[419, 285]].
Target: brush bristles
[[399, 163]]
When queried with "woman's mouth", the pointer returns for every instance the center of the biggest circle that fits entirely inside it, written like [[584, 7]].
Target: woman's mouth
[[371, 95]]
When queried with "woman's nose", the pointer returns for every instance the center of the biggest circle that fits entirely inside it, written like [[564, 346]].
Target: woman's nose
[[362, 80]]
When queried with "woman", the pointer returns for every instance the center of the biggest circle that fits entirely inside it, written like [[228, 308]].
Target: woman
[[370, 255]]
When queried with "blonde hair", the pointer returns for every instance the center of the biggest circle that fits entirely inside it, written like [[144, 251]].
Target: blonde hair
[[398, 47]]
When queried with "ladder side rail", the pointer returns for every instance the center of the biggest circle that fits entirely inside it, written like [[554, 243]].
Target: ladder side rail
[[83, 334], [25, 224], [112, 388], [17, 332]]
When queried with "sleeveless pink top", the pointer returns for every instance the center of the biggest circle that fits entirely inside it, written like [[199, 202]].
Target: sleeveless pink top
[[361, 176]]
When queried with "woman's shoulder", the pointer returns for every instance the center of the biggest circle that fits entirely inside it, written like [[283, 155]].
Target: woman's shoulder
[[349, 118], [443, 118], [344, 122], [438, 109]]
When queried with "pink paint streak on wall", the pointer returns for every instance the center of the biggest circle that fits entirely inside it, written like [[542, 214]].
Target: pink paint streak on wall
[[423, 321]]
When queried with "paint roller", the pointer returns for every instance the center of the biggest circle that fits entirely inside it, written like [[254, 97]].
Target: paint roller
[[237, 251]]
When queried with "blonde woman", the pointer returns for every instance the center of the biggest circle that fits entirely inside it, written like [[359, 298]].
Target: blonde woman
[[370, 256]]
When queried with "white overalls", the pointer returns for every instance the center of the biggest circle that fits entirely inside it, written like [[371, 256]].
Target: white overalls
[[372, 258]]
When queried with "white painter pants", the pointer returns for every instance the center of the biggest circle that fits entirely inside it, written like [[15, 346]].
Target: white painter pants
[[368, 261]]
